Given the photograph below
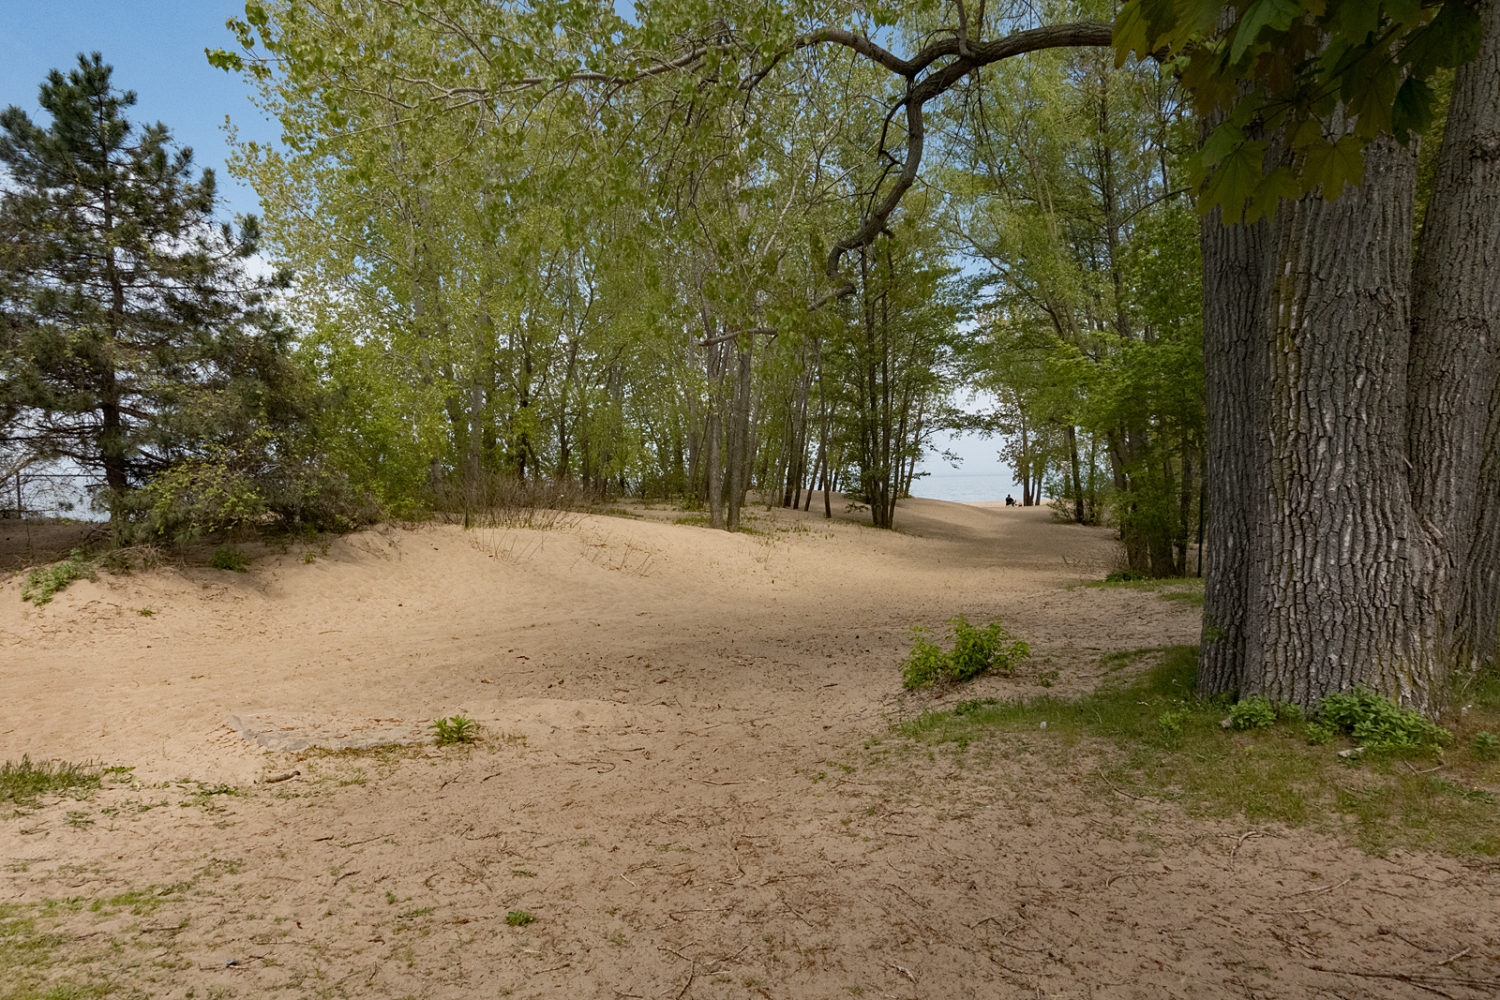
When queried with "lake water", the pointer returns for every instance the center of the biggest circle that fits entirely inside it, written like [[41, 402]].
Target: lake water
[[966, 487]]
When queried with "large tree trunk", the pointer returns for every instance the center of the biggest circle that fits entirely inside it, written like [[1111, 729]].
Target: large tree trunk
[[1353, 431], [1333, 602], [1455, 364]]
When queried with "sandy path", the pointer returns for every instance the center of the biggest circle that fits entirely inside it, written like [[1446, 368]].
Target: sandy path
[[677, 781]]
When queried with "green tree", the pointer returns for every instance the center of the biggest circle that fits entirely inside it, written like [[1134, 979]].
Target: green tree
[[1352, 451], [134, 336]]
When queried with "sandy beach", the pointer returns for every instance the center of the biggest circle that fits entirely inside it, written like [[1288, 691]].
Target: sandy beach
[[683, 778]]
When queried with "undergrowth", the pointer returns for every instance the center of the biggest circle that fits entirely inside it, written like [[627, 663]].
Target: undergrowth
[[45, 582], [976, 650], [1155, 740]]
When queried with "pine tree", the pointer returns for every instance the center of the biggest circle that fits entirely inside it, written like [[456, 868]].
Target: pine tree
[[131, 335]]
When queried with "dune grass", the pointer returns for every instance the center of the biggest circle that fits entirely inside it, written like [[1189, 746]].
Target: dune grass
[[1157, 742], [21, 783]]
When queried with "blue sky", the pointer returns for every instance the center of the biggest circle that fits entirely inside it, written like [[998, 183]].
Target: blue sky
[[156, 48]]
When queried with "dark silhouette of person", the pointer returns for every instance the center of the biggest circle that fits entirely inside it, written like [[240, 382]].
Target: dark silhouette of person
[[1010, 501]]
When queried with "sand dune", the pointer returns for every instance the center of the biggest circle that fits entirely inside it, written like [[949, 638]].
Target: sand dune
[[682, 779], [390, 628]]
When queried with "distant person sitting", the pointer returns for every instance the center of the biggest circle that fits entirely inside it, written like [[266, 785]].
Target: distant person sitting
[[1010, 501]]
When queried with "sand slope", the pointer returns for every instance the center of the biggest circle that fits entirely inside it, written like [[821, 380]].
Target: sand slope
[[678, 781]]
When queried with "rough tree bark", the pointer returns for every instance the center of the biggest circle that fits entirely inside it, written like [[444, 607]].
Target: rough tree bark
[[1353, 429]]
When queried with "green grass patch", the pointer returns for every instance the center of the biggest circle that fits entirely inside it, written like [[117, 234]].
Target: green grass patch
[[21, 783], [42, 959], [46, 582], [1185, 589], [1155, 740]]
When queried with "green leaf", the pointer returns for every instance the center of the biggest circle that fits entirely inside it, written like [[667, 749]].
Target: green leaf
[[1233, 182], [1452, 39], [1130, 33], [1412, 111], [1220, 143], [227, 61], [1331, 166], [1276, 15], [1354, 20], [1371, 102], [1275, 187], [1198, 17]]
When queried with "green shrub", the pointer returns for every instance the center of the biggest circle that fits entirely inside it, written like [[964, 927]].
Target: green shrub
[[1379, 723], [455, 729], [199, 496], [519, 918], [44, 582], [975, 651], [229, 557], [1169, 726], [1252, 713], [1486, 745], [926, 664]]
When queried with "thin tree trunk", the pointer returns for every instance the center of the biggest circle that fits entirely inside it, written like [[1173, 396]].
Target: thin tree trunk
[[1235, 356]]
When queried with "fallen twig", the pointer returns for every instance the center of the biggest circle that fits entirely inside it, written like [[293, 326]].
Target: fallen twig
[[1241, 843], [1121, 791], [279, 777], [904, 971], [1416, 979], [1321, 888], [1119, 875]]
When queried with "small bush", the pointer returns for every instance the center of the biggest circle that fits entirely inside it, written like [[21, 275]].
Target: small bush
[[975, 651], [455, 729], [45, 582], [519, 918], [926, 665], [1486, 745], [1169, 726], [1379, 723], [22, 783], [229, 557], [1252, 713]]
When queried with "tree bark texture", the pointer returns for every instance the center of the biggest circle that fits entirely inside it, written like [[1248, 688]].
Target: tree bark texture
[[1455, 364], [1352, 439]]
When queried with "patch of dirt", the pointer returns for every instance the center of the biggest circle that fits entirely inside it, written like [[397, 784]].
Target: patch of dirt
[[684, 779]]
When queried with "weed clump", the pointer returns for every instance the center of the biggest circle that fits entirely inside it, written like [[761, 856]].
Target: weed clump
[[1252, 713], [1486, 745], [44, 582], [975, 651], [1377, 723], [519, 918], [454, 730]]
